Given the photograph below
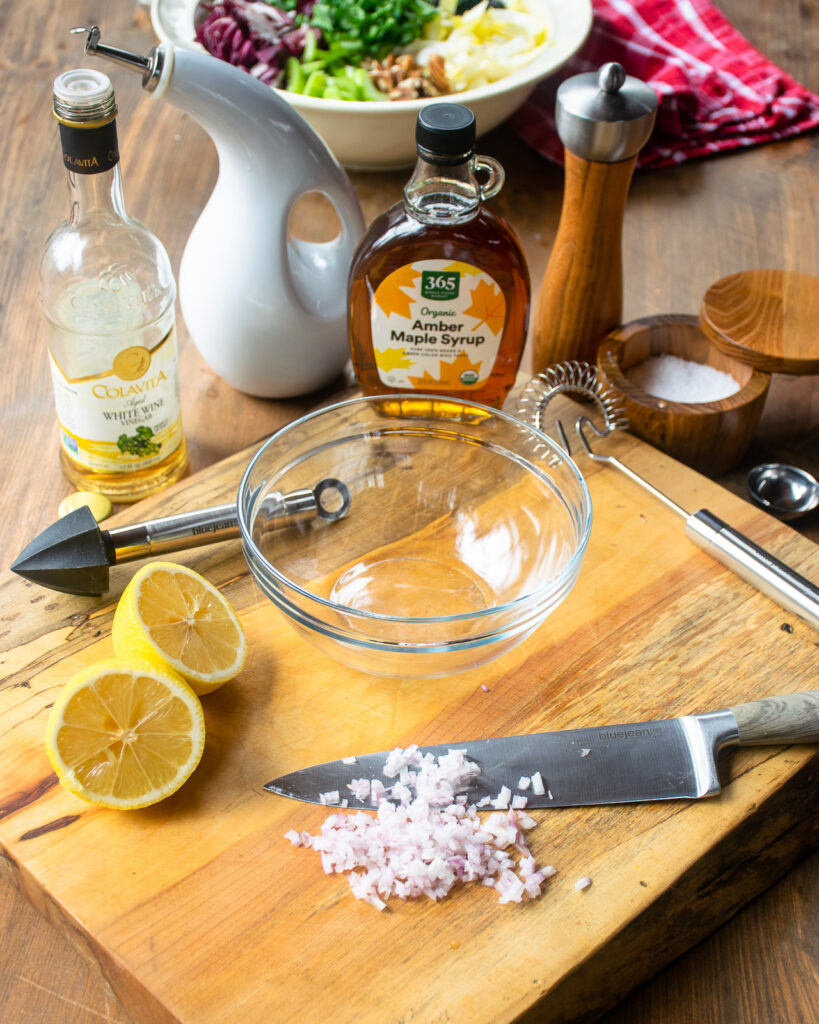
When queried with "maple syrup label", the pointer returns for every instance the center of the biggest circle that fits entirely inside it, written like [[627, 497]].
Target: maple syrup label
[[437, 325], [125, 418]]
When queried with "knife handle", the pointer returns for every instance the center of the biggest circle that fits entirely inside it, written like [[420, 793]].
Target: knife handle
[[793, 718]]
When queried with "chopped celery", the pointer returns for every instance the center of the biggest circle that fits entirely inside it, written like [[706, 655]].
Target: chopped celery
[[314, 65], [346, 89], [294, 75], [366, 89], [310, 41], [341, 46], [316, 84]]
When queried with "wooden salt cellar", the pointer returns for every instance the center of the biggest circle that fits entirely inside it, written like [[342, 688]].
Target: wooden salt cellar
[[765, 318], [603, 121], [710, 436]]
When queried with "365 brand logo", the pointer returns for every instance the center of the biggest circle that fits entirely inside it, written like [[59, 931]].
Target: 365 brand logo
[[440, 284]]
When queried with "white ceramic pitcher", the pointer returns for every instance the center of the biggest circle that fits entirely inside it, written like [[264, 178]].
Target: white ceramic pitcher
[[266, 310]]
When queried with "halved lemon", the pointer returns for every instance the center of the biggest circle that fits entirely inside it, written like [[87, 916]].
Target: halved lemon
[[125, 734], [170, 615]]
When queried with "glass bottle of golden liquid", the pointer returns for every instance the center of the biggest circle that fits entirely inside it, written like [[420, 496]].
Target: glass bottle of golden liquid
[[439, 287], [108, 294]]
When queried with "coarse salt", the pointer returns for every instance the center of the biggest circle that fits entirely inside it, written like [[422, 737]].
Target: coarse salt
[[682, 380]]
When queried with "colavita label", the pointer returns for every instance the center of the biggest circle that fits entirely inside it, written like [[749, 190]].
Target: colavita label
[[437, 325], [126, 418], [90, 150]]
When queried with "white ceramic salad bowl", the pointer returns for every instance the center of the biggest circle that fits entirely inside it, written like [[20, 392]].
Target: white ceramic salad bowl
[[381, 136]]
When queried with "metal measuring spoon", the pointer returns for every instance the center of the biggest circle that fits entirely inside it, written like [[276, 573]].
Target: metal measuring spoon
[[787, 492]]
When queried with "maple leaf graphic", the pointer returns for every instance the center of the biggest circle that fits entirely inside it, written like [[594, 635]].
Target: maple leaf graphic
[[488, 306], [464, 269], [449, 374], [390, 297], [392, 359]]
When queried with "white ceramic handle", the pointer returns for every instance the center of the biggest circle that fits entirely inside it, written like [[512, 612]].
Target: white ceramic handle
[[267, 313]]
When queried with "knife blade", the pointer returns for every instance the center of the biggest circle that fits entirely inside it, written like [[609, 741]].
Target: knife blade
[[666, 759]]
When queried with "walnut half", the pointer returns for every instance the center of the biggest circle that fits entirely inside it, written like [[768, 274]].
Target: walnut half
[[402, 78]]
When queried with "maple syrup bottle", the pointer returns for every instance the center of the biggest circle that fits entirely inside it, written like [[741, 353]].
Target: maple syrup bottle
[[439, 287]]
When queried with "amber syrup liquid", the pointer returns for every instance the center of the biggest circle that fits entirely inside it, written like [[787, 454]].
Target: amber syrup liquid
[[486, 241]]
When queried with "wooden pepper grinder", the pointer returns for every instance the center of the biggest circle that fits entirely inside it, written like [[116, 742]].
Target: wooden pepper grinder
[[603, 121]]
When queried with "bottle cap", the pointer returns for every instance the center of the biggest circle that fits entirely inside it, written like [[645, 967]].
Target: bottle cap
[[605, 116], [445, 130], [84, 97]]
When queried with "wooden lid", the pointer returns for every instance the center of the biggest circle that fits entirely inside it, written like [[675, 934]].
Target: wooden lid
[[766, 318]]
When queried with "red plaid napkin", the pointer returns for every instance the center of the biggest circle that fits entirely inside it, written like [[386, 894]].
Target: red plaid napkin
[[716, 91]]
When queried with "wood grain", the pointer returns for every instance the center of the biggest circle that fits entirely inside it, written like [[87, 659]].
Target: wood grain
[[791, 719], [711, 437], [765, 318], [684, 228], [580, 298], [209, 863]]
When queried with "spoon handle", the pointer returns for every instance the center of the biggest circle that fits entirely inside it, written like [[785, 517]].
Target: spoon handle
[[755, 565]]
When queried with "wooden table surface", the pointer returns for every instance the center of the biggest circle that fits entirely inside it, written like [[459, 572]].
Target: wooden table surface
[[684, 228]]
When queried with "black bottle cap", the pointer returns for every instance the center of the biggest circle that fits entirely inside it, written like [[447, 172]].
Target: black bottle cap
[[445, 130]]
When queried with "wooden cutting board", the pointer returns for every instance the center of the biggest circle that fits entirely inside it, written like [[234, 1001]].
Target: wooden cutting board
[[199, 911]]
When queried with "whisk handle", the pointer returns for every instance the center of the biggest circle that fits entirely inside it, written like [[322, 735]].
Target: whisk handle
[[755, 565]]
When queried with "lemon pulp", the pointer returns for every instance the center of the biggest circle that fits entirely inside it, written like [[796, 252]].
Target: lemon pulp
[[169, 614], [124, 734]]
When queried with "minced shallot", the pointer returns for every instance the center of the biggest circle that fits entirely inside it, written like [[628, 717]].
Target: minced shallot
[[425, 836], [537, 784], [501, 802]]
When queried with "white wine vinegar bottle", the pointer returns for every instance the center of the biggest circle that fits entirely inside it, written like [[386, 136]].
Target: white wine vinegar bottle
[[108, 294]]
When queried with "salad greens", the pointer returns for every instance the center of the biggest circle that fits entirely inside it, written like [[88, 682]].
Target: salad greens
[[369, 28], [314, 47], [372, 49]]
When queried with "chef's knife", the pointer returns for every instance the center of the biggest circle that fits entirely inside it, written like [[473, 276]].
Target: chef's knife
[[668, 759]]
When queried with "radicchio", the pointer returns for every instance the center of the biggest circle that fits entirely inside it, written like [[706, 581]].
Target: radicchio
[[254, 36]]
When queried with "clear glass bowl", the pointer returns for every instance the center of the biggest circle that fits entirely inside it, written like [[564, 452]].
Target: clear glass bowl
[[466, 528]]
